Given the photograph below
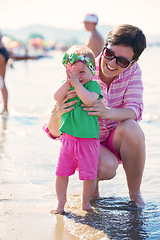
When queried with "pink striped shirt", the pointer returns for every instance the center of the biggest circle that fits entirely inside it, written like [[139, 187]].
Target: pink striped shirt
[[126, 91]]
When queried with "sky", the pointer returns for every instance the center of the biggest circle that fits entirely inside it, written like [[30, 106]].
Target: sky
[[145, 14]]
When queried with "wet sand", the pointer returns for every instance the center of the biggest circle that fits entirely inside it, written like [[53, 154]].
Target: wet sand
[[24, 213]]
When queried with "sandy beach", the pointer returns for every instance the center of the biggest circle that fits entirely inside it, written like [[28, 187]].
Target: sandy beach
[[24, 212]]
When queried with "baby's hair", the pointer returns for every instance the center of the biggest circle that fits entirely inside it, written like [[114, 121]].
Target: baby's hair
[[82, 50]]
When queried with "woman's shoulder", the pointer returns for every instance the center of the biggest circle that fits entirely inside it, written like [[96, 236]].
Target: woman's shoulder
[[134, 68], [132, 71]]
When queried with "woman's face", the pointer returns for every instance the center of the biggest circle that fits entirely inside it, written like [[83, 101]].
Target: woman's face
[[109, 68]]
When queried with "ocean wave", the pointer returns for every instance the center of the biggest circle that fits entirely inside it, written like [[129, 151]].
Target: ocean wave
[[151, 118]]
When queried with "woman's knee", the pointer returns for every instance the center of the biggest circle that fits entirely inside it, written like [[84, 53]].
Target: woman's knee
[[106, 172], [129, 130], [108, 165]]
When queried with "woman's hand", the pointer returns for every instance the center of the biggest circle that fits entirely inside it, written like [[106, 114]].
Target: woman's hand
[[97, 109], [63, 107], [115, 114]]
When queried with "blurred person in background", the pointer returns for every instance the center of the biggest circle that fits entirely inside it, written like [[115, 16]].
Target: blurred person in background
[[95, 41], [4, 56]]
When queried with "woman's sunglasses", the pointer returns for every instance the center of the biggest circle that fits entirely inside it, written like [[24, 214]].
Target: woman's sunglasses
[[121, 61]]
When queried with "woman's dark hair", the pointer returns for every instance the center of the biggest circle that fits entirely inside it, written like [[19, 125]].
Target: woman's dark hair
[[128, 35]]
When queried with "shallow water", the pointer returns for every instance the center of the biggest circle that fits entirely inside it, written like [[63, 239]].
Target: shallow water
[[28, 158]]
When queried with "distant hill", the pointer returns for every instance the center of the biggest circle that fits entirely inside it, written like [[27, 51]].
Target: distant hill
[[53, 34], [66, 36]]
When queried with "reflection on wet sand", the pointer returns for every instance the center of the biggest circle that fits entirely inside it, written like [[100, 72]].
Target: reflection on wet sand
[[3, 129], [61, 231], [113, 218]]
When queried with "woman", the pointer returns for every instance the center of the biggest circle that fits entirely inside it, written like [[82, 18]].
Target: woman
[[122, 139], [4, 56]]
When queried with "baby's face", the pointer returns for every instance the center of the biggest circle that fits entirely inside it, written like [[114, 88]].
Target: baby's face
[[82, 72]]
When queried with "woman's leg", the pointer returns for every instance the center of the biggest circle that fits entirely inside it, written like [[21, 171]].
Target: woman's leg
[[108, 164], [107, 167], [61, 191], [129, 141]]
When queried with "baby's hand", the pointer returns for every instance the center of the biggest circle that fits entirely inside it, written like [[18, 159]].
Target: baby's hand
[[71, 76], [69, 66]]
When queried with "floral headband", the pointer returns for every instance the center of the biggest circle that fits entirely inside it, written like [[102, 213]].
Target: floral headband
[[78, 58]]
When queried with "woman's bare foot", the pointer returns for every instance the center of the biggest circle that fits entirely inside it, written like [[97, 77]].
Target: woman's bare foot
[[137, 198]]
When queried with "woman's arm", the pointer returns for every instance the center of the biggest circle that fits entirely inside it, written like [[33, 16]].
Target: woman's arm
[[54, 122], [58, 110], [115, 114]]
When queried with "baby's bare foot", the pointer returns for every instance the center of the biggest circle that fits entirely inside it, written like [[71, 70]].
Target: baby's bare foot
[[53, 212], [87, 206], [60, 207]]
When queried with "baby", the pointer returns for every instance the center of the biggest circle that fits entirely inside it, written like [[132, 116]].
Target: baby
[[79, 131]]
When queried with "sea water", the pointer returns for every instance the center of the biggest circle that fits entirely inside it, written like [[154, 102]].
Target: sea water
[[27, 153]]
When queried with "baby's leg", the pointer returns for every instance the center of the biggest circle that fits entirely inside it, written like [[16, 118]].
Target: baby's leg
[[61, 191], [88, 190]]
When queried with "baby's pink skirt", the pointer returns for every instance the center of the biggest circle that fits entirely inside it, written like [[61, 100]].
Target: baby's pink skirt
[[80, 154]]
